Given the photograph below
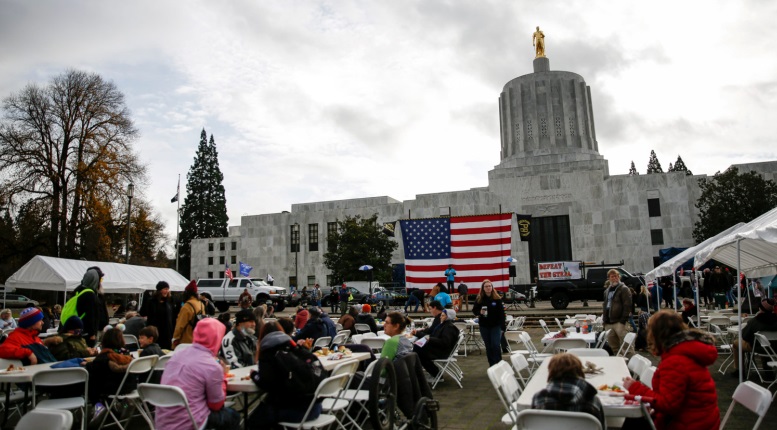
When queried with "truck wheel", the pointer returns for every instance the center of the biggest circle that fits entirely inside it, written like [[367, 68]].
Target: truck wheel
[[326, 302], [559, 300], [261, 299], [279, 306], [222, 306]]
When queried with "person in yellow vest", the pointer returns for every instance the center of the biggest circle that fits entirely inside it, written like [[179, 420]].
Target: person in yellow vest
[[84, 304], [184, 325]]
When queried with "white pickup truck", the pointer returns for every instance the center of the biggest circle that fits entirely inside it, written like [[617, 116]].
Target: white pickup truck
[[225, 293]]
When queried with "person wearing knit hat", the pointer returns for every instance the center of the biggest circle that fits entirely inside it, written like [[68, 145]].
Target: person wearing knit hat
[[764, 321], [15, 346], [365, 317], [191, 309], [158, 311], [239, 345], [72, 344]]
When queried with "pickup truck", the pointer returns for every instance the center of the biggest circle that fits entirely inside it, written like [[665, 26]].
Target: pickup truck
[[562, 282], [224, 292]]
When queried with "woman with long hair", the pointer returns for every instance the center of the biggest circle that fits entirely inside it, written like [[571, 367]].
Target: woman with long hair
[[490, 311], [684, 393]]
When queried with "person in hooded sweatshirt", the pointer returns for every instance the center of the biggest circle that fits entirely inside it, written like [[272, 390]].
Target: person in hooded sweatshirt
[[314, 327], [567, 389], [684, 393], [87, 305], [200, 375]]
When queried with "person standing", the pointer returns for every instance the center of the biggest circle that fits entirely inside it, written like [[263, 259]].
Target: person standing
[[616, 308], [159, 313], [85, 304], [463, 291], [334, 300], [343, 299], [315, 295], [684, 393], [450, 276], [184, 327], [490, 311]]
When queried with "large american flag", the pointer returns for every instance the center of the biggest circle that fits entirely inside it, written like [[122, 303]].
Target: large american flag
[[476, 246]]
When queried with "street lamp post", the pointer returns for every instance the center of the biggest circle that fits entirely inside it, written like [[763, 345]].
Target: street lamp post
[[296, 254], [130, 192]]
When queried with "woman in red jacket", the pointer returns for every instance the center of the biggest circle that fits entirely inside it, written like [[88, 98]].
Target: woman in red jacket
[[683, 389]]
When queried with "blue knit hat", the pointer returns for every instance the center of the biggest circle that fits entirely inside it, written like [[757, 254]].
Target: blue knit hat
[[29, 317]]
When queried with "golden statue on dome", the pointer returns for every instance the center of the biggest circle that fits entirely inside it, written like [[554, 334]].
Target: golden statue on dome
[[538, 42]]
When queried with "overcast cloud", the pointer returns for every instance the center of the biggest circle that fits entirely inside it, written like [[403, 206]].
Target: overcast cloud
[[316, 100]]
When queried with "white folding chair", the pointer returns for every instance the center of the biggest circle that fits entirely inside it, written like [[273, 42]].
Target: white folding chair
[[724, 346], [130, 339], [520, 364], [181, 347], [165, 396], [359, 396], [637, 364], [59, 378], [138, 366], [338, 327], [322, 342], [338, 404], [362, 328], [339, 339], [346, 333], [49, 419], [752, 396], [535, 357], [558, 323], [627, 345], [541, 419], [449, 366], [563, 344], [544, 326], [646, 377], [514, 337], [588, 352], [495, 375], [375, 343], [767, 354], [329, 387], [602, 339], [15, 396]]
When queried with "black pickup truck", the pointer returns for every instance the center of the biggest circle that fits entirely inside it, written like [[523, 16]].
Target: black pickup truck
[[588, 285]]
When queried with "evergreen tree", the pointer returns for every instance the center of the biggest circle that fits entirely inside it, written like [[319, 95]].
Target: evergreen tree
[[654, 166], [633, 170], [671, 168], [679, 166], [204, 211]]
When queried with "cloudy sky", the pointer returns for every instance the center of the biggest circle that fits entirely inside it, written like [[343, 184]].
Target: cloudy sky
[[326, 100]]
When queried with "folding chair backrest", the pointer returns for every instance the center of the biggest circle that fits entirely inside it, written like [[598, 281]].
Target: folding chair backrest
[[752, 396], [162, 362], [560, 345], [602, 339], [331, 386], [510, 388], [588, 352], [142, 364], [540, 419], [362, 328], [52, 419], [720, 321], [130, 339], [496, 371], [646, 377], [544, 326], [519, 365], [529, 344], [462, 326], [558, 322], [166, 396], [347, 368], [181, 347], [60, 377], [628, 342], [338, 327], [375, 343], [322, 341], [637, 364], [766, 346], [339, 339]]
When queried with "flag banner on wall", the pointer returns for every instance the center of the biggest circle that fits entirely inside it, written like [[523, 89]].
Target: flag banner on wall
[[524, 227], [228, 272], [388, 228], [245, 269], [476, 246]]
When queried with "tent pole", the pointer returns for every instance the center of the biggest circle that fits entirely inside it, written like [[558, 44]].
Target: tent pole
[[695, 286], [177, 222], [739, 311]]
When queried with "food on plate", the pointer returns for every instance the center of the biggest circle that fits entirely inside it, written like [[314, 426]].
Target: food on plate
[[10, 367], [229, 375], [245, 378], [613, 388]]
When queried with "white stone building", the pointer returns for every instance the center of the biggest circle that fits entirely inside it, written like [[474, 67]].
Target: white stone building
[[550, 168]]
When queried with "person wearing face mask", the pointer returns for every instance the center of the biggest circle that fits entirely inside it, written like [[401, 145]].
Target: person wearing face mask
[[239, 345]]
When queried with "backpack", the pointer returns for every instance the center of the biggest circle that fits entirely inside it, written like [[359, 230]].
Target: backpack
[[197, 316], [301, 369], [70, 308]]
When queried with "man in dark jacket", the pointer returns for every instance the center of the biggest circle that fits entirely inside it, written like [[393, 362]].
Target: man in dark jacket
[[158, 310], [438, 341], [239, 345], [365, 317], [314, 328], [765, 321], [617, 308]]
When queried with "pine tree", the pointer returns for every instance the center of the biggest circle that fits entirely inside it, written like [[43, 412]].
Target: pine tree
[[204, 211], [679, 166], [654, 166], [671, 168], [633, 170]]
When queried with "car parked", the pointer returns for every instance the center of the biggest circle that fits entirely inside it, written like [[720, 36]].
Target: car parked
[[357, 297], [14, 300], [386, 297]]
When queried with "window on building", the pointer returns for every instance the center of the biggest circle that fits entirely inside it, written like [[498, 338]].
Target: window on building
[[656, 261], [329, 280], [210, 274], [654, 207], [234, 259], [293, 281], [210, 261], [221, 259], [331, 231], [312, 237], [234, 246], [294, 237], [221, 274], [657, 236], [210, 247], [221, 246], [311, 281]]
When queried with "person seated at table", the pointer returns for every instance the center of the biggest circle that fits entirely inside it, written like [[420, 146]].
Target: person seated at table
[[281, 404], [348, 321], [70, 344], [764, 321], [200, 375], [438, 341], [314, 328], [287, 324], [107, 370], [133, 323], [331, 328], [398, 344], [567, 389], [23, 342], [689, 310], [6, 320], [684, 393], [147, 341], [270, 311], [365, 317], [382, 312], [239, 345], [301, 317]]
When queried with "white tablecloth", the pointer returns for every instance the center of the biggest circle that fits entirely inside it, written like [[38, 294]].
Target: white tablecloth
[[588, 337]]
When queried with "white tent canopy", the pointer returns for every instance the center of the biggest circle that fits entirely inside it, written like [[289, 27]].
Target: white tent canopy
[[60, 274], [668, 267], [757, 244]]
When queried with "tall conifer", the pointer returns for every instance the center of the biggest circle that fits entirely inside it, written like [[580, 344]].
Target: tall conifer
[[654, 166], [679, 166], [633, 170]]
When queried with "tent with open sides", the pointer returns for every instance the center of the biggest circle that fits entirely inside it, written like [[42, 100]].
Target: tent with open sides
[[61, 274]]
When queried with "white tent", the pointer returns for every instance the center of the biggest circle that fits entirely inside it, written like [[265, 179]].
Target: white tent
[[668, 267], [757, 243], [60, 274]]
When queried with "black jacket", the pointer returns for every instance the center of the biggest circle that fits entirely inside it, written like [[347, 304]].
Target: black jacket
[[313, 329], [369, 320], [496, 313], [442, 339], [762, 322], [160, 315]]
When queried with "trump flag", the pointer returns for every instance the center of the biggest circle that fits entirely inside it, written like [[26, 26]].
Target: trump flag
[[477, 247]]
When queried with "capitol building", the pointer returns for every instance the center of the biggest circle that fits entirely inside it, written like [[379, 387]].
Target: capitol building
[[550, 168]]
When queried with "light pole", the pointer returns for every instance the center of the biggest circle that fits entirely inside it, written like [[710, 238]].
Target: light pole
[[296, 253], [130, 192]]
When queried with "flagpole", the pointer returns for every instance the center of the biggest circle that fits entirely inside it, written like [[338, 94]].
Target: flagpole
[[178, 220]]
